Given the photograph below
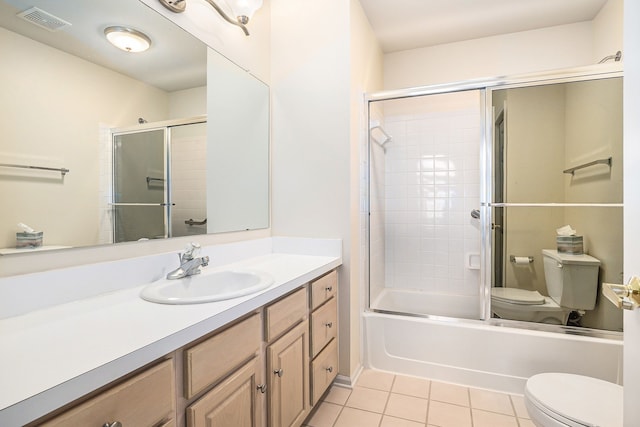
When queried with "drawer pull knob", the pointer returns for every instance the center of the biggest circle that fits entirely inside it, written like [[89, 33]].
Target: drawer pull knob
[[329, 324], [278, 372], [328, 288], [113, 424], [262, 388], [330, 369]]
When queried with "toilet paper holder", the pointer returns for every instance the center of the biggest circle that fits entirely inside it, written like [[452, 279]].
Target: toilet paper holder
[[626, 297], [518, 259]]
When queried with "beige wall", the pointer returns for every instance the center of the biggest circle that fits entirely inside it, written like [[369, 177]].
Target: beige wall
[[318, 80], [366, 76], [534, 146], [594, 131], [537, 50], [549, 130], [53, 120]]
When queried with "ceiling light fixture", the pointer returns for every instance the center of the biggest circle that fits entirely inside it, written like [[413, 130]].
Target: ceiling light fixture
[[127, 39], [243, 10]]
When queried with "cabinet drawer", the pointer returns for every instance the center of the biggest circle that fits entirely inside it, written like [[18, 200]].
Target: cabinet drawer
[[285, 313], [323, 370], [323, 326], [209, 361], [323, 288], [144, 400]]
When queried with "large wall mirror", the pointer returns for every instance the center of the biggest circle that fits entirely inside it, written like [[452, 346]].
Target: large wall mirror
[[72, 101], [557, 161]]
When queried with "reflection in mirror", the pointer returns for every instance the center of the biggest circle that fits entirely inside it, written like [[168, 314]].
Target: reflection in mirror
[[159, 182], [68, 90], [541, 133]]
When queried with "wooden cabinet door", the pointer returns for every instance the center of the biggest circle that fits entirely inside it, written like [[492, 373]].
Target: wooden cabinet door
[[237, 401], [288, 378]]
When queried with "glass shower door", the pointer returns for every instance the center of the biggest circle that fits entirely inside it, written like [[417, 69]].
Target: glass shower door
[[140, 196], [424, 183]]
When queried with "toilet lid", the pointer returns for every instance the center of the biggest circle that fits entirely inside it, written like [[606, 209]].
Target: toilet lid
[[576, 399], [517, 296]]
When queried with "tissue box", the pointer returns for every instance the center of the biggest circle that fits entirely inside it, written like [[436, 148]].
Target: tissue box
[[570, 245], [29, 240]]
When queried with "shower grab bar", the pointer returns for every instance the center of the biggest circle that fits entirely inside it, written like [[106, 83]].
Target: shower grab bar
[[190, 221], [149, 179], [63, 171], [572, 170]]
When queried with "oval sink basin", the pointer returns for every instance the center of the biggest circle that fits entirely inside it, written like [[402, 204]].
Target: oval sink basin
[[207, 287]]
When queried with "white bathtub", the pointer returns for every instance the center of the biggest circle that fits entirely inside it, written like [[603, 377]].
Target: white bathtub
[[481, 354]]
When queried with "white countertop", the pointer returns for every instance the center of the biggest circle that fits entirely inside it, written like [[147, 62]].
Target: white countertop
[[56, 354]]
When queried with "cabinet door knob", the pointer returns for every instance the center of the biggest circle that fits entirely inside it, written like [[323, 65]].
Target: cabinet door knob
[[328, 324], [328, 288], [278, 372], [330, 369], [113, 424], [262, 388]]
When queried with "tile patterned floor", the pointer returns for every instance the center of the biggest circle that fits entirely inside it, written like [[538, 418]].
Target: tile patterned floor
[[381, 399]]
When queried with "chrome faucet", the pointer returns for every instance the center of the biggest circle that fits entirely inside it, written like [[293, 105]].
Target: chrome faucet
[[190, 263]]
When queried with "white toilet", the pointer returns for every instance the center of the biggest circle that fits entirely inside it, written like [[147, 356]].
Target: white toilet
[[572, 284], [556, 399]]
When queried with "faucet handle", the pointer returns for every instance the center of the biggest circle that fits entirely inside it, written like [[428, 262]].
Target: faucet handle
[[191, 251]]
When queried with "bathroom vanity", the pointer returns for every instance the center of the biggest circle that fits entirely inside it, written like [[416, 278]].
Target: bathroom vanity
[[260, 359]]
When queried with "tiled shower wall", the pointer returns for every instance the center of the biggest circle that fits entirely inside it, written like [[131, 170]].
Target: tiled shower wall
[[431, 184]]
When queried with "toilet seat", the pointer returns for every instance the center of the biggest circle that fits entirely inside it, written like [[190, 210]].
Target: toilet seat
[[517, 296], [574, 400]]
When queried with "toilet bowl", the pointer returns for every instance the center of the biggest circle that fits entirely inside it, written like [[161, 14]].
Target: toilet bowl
[[529, 306], [560, 400]]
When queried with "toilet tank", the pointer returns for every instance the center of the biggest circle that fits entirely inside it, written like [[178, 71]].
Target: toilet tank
[[572, 280]]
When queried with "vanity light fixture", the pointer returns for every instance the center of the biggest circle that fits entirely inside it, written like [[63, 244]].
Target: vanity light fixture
[[127, 39], [243, 10]]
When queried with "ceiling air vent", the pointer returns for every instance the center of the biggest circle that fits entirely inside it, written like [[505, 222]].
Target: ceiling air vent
[[43, 19]]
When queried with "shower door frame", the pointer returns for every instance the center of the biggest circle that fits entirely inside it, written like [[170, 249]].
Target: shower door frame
[[167, 126], [440, 89], [486, 86]]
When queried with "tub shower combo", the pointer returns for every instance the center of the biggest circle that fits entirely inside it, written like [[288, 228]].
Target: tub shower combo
[[467, 184]]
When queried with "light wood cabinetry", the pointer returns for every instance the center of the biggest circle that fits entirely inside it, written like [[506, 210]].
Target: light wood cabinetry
[[285, 313], [147, 399], [324, 369], [324, 333], [237, 401], [256, 372], [288, 373], [212, 359], [229, 365]]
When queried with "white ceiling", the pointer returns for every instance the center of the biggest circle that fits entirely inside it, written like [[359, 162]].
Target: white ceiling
[[178, 61], [409, 24], [175, 61]]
